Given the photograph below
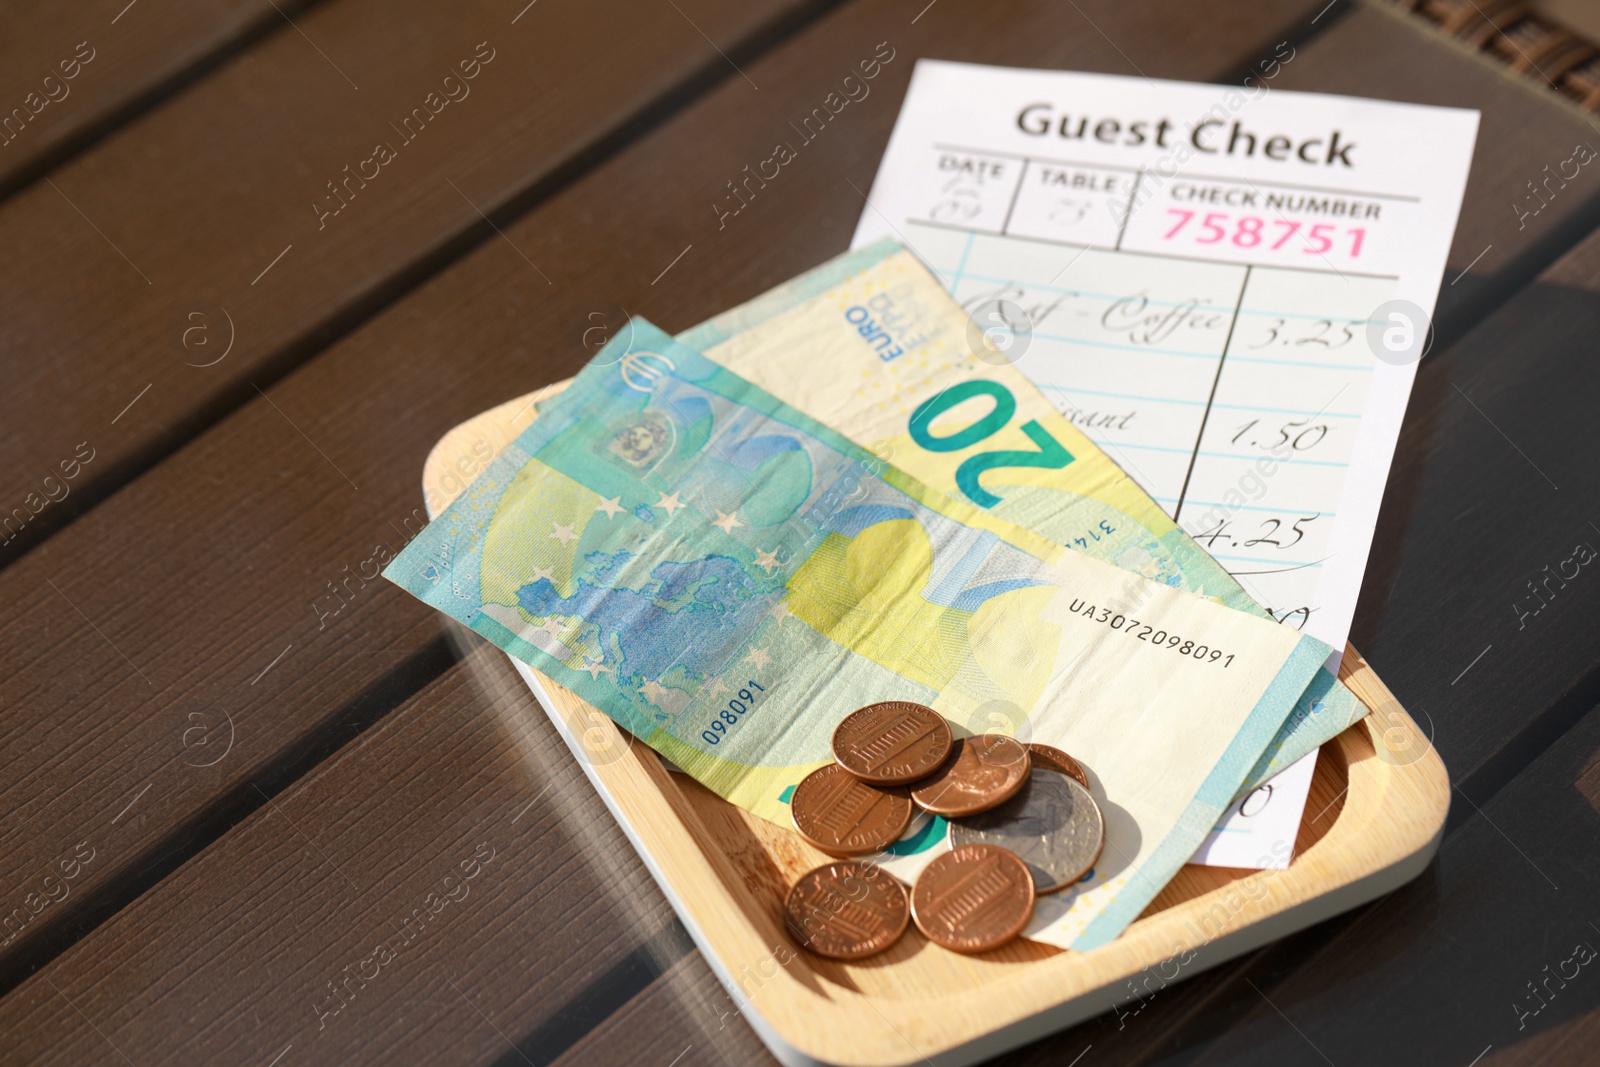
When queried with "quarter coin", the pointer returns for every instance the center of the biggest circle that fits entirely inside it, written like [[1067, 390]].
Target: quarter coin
[[1053, 825], [847, 911], [844, 816], [974, 898], [1057, 760], [892, 743], [985, 770]]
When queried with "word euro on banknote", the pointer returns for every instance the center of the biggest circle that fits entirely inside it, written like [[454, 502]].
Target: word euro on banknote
[[727, 578], [871, 345]]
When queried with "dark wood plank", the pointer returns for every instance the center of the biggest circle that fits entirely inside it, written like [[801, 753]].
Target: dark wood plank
[[141, 262], [79, 70], [208, 585], [280, 123], [1476, 521], [1506, 233], [448, 889], [1571, 1034], [1467, 960], [1493, 490], [685, 1013], [1428, 974]]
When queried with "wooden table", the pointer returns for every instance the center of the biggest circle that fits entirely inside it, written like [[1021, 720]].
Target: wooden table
[[234, 762]]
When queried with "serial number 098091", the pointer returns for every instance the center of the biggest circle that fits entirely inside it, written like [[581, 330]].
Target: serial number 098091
[[731, 714], [1150, 635]]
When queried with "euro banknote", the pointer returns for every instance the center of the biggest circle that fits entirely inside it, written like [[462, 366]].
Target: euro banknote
[[871, 345], [727, 578]]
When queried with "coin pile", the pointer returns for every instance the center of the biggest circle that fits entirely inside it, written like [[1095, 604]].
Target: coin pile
[[1022, 823]]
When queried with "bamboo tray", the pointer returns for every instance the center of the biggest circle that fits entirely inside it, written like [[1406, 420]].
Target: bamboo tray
[[1373, 822]]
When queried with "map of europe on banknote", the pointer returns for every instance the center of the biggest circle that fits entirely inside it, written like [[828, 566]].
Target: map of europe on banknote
[[871, 345], [728, 578]]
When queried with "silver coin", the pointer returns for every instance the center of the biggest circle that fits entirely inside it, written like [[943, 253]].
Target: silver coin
[[1054, 825]]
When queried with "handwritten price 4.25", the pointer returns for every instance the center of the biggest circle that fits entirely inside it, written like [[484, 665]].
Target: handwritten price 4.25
[[1253, 231]]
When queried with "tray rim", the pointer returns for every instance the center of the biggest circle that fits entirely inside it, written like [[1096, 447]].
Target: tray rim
[[788, 1017], [1374, 846]]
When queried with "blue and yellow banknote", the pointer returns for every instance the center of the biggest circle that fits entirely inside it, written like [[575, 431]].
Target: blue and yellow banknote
[[727, 578], [871, 345]]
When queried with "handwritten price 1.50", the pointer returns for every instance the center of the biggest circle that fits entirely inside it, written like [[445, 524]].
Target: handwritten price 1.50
[[1252, 231]]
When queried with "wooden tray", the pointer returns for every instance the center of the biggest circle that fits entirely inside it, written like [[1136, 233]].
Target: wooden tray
[[1374, 819]]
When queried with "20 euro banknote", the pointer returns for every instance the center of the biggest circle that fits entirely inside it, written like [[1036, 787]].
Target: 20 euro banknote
[[727, 578], [871, 345]]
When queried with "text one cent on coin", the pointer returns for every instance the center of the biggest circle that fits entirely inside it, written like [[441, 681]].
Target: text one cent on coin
[[974, 898], [847, 911], [892, 743], [844, 816]]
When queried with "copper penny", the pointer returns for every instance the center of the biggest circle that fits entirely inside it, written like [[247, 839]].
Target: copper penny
[[847, 911], [1053, 759], [844, 816], [973, 898], [985, 771], [892, 743]]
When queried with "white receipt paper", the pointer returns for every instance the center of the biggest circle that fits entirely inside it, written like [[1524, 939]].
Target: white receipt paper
[[1258, 831], [1226, 288]]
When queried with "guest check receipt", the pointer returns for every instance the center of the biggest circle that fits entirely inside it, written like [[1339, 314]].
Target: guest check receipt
[[1228, 288]]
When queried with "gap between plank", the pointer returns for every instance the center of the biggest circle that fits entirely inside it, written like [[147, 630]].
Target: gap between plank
[[408, 277], [58, 933], [144, 101]]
